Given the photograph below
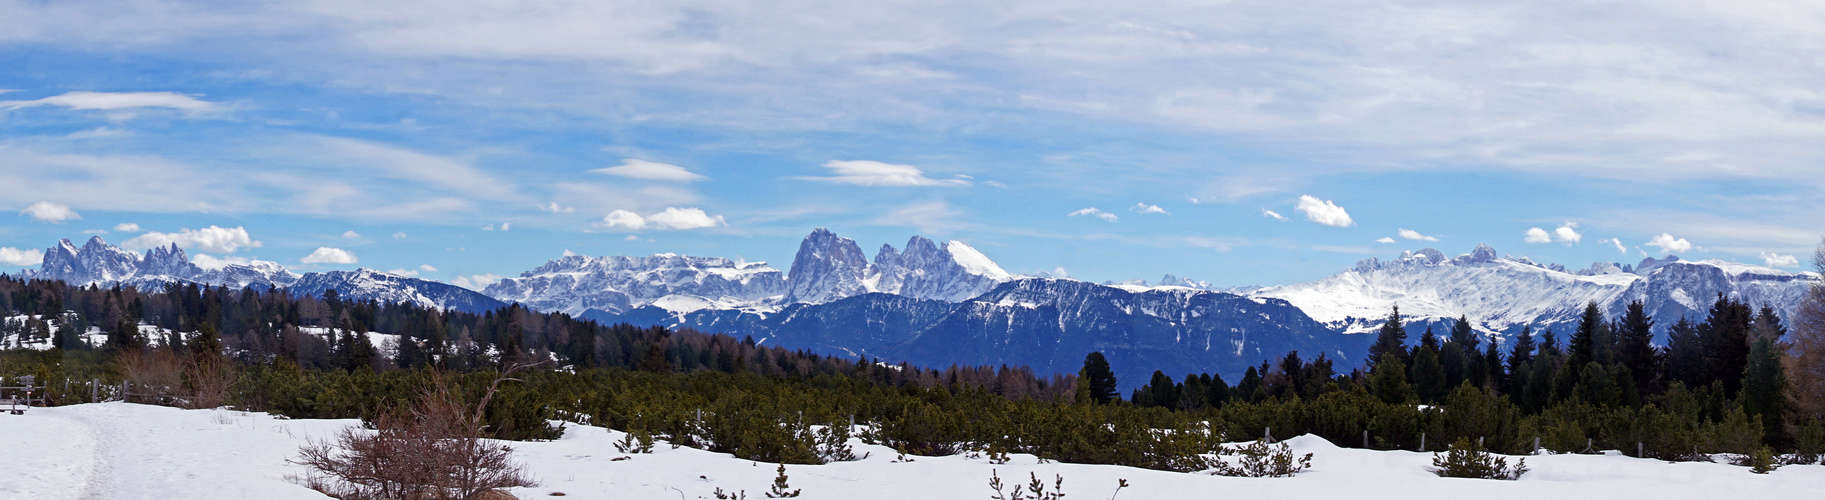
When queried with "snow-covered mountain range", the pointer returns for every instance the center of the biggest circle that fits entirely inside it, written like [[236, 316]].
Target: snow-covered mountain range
[[827, 268], [948, 303], [1500, 295], [98, 263]]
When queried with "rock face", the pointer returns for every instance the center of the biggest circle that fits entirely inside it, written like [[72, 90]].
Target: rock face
[[99, 263], [575, 284], [827, 267], [952, 273]]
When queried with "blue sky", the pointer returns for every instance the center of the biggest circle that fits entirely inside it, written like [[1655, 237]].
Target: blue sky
[[464, 139]]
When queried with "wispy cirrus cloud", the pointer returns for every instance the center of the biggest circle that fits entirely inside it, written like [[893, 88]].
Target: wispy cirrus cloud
[[874, 173]]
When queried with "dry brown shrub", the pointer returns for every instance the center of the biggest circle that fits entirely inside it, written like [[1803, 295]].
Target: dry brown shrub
[[435, 451]]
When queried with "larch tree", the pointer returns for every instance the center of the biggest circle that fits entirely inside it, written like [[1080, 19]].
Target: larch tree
[[1805, 360]]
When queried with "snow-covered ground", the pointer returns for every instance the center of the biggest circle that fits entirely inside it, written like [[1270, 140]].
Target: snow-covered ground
[[118, 450]]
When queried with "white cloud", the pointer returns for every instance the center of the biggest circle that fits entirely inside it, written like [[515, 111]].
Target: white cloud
[[46, 211], [114, 101], [1667, 243], [427, 268], [994, 184], [1093, 212], [210, 239], [1415, 235], [874, 173], [399, 235], [1567, 233], [631, 237], [670, 218], [1537, 235], [1778, 260], [404, 272], [351, 234], [476, 282], [624, 219], [683, 218], [506, 226], [1144, 209], [653, 171], [1385, 240], [207, 261], [568, 253], [22, 258], [327, 255], [94, 231], [931, 217], [1618, 242], [1323, 212], [127, 227], [1269, 214], [557, 209], [489, 227]]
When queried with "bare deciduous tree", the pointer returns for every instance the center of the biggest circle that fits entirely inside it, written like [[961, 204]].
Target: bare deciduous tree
[[435, 451], [1806, 354]]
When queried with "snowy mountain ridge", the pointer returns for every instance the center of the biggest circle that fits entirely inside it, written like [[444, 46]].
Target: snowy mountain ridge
[[99, 263]]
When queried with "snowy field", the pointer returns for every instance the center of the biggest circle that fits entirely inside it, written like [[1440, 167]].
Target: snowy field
[[118, 450]]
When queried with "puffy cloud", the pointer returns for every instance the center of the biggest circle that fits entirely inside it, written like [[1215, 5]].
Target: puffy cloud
[[210, 239], [568, 253], [874, 173], [476, 282], [1144, 209], [351, 234], [506, 226], [1778, 260], [327, 255], [52, 212], [670, 218], [1093, 212], [1567, 233], [399, 235], [427, 268], [22, 258], [653, 171], [623, 218], [1323, 212], [631, 237], [1667, 243], [115, 100], [1537, 235], [207, 261], [1385, 240], [127, 227], [1269, 214], [557, 209], [1414, 235]]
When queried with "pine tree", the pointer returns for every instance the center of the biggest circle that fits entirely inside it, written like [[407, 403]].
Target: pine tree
[[1462, 334], [1391, 339], [1252, 388], [1635, 346], [1097, 378], [1521, 353], [1591, 342], [1725, 338], [1685, 355], [1764, 387], [1428, 375], [1388, 381]]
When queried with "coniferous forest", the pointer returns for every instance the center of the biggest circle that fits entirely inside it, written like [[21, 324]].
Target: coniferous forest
[[1735, 381]]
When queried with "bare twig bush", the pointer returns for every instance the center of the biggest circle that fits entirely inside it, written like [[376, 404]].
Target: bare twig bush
[[435, 451]]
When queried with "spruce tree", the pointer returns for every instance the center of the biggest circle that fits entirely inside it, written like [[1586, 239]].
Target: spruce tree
[[1252, 389], [1097, 378], [1685, 356], [1725, 338], [1388, 382], [1428, 375], [1591, 341], [1523, 350], [1463, 334], [1635, 346], [1391, 339], [1764, 386]]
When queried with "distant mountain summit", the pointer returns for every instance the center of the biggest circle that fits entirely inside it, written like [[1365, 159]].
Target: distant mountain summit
[[1500, 295], [98, 263]]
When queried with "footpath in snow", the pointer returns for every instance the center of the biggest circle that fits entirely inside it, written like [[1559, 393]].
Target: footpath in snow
[[128, 451]]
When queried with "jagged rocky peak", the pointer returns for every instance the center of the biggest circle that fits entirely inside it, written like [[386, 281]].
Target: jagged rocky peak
[[953, 272], [1481, 254], [1649, 263], [168, 261], [827, 267]]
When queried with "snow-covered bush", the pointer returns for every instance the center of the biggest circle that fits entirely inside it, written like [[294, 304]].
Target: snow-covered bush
[[1261, 459], [1468, 459]]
